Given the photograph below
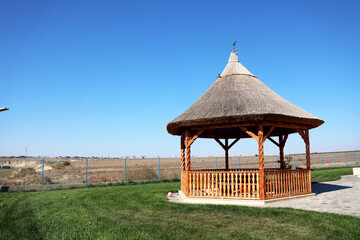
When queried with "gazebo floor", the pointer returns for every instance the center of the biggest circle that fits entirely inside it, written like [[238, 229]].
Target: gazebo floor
[[244, 183], [180, 197]]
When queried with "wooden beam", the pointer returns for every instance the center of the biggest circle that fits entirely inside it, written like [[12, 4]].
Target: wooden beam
[[285, 125], [195, 136], [268, 133], [251, 134], [285, 138], [222, 126], [303, 135], [252, 124], [220, 131], [273, 141], [233, 143], [221, 144]]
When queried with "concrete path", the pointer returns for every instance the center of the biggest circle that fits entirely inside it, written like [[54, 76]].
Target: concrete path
[[341, 196]]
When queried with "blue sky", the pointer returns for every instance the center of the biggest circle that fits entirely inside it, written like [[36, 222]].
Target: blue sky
[[104, 78]]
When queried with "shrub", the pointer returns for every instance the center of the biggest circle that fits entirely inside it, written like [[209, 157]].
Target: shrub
[[48, 180], [288, 159], [66, 163], [25, 171], [58, 166], [61, 165]]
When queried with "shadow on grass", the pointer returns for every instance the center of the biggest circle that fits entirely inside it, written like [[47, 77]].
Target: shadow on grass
[[325, 187], [4, 188]]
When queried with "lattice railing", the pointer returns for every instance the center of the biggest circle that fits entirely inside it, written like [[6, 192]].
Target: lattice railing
[[284, 183], [226, 184]]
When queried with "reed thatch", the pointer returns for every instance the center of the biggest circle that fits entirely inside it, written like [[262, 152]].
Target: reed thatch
[[237, 96]]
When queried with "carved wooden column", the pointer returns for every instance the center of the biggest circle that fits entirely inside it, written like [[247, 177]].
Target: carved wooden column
[[187, 162], [182, 139], [260, 138], [261, 163], [187, 140]]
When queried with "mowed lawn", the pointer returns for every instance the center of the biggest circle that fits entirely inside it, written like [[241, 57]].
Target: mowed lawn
[[329, 174], [142, 212]]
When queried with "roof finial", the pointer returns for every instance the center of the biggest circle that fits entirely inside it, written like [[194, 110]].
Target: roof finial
[[234, 50]]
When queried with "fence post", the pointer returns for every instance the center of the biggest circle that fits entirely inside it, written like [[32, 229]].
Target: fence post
[[345, 160], [125, 169], [355, 160], [294, 163], [86, 180], [334, 161], [322, 160], [215, 162], [239, 162], [159, 168], [277, 160], [42, 172]]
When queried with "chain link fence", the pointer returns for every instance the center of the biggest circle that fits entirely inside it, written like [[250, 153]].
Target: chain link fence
[[47, 170]]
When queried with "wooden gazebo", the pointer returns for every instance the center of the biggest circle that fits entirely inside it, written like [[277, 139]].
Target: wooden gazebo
[[238, 105]]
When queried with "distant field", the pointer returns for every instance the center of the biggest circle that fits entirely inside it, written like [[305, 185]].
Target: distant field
[[4, 173], [27, 171]]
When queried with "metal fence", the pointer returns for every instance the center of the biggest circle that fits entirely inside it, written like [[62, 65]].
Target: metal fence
[[47, 170]]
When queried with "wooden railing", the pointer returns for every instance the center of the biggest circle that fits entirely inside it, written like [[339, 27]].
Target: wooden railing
[[284, 183], [221, 184], [184, 182], [244, 183]]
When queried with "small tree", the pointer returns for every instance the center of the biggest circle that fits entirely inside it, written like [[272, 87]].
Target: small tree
[[288, 159]]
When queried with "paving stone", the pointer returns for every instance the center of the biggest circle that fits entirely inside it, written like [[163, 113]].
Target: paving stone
[[341, 196]]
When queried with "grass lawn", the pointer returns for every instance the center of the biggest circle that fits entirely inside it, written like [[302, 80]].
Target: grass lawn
[[143, 212], [329, 174]]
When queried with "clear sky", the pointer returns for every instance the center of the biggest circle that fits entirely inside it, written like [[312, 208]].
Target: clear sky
[[104, 78]]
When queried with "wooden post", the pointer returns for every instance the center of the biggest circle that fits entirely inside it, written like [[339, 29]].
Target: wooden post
[[226, 147], [187, 139], [226, 153], [308, 164], [282, 141], [281, 149], [182, 139], [261, 163], [187, 162], [305, 136]]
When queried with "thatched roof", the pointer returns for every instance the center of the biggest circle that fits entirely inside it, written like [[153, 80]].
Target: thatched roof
[[237, 96]]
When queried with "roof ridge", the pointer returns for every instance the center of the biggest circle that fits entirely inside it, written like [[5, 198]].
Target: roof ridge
[[234, 67]]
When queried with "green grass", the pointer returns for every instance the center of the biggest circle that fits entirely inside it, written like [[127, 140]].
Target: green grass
[[329, 174], [142, 212]]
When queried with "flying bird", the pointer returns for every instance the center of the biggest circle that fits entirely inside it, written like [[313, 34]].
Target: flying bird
[[234, 43]]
